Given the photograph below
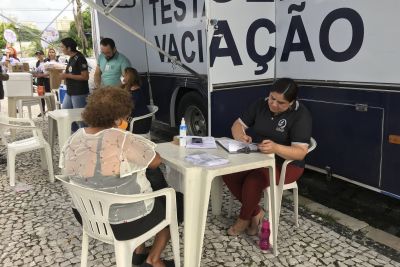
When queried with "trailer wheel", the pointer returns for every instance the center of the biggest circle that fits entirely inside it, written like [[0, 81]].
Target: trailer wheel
[[193, 109]]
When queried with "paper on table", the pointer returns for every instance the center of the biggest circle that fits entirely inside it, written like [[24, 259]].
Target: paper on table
[[233, 146], [207, 142], [205, 159]]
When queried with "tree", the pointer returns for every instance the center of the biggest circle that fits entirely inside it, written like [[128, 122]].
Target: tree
[[81, 28], [24, 34]]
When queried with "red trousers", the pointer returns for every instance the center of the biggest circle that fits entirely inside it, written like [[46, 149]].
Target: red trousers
[[248, 186]]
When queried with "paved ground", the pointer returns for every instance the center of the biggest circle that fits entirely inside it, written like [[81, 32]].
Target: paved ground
[[37, 228]]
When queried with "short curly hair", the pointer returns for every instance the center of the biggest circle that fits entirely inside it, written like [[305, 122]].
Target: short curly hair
[[106, 105]]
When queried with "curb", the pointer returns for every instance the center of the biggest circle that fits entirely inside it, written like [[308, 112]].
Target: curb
[[353, 224]]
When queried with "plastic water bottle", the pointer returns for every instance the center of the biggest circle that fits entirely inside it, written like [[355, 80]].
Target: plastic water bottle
[[182, 133], [264, 234]]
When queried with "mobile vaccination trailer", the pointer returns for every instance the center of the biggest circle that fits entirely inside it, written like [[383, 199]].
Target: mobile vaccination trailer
[[207, 60]]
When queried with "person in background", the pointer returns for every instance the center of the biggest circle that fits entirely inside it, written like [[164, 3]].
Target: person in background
[[132, 83], [110, 65], [92, 157], [51, 55], [10, 56], [76, 77], [282, 126], [42, 76]]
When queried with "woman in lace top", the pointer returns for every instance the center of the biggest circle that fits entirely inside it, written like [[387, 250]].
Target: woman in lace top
[[104, 156]]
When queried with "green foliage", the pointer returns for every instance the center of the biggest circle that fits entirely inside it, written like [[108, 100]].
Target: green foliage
[[28, 34], [87, 28], [24, 34], [3, 27]]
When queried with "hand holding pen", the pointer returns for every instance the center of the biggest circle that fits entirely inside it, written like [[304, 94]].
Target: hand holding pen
[[267, 146]]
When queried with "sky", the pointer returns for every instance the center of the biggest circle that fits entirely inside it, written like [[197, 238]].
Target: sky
[[40, 12]]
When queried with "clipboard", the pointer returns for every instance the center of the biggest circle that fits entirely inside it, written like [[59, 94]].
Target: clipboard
[[233, 146]]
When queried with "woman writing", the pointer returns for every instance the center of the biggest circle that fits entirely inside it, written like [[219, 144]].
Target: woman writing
[[281, 126], [105, 157]]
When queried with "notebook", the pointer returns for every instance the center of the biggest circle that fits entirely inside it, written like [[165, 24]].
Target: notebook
[[233, 146]]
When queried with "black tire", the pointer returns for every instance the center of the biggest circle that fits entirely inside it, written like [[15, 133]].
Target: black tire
[[193, 108]]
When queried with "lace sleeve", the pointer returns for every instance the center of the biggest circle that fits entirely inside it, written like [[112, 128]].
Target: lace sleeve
[[138, 151]]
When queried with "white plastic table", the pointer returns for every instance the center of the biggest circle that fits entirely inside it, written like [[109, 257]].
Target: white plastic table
[[64, 119], [197, 185]]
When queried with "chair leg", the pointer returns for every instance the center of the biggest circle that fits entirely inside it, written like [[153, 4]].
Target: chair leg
[[123, 253], [43, 160], [173, 228], [11, 167], [49, 160], [20, 109], [85, 249], [29, 111], [296, 206]]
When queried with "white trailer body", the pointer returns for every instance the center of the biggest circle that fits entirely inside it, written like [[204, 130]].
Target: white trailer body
[[344, 54]]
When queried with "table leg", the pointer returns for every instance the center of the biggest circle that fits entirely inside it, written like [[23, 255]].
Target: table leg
[[196, 205], [12, 112], [272, 211], [64, 131], [216, 195]]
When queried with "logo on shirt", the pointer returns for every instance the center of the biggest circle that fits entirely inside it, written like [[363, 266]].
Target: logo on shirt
[[70, 69], [281, 125]]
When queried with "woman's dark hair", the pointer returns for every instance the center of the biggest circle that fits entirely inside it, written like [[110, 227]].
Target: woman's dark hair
[[108, 42], [287, 87], [135, 79], [69, 43], [106, 105]]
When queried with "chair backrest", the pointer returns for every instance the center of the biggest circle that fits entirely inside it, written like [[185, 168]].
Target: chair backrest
[[313, 145], [93, 206], [152, 110], [3, 128], [7, 123]]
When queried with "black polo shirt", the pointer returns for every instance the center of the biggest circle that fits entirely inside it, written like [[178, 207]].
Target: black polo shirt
[[76, 65], [286, 128]]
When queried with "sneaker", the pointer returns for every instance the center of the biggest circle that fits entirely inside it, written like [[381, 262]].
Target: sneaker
[[40, 114]]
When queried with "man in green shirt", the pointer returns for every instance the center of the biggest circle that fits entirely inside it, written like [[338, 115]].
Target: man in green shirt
[[110, 64]]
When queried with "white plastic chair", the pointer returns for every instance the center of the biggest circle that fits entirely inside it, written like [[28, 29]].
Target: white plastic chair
[[37, 141], [29, 102], [94, 206], [56, 98], [152, 110], [279, 190]]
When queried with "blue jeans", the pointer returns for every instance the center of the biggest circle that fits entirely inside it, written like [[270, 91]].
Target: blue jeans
[[74, 101]]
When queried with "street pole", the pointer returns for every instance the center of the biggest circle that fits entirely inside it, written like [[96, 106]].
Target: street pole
[[19, 39]]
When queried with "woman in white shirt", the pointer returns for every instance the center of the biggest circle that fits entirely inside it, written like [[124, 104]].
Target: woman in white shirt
[[105, 157]]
